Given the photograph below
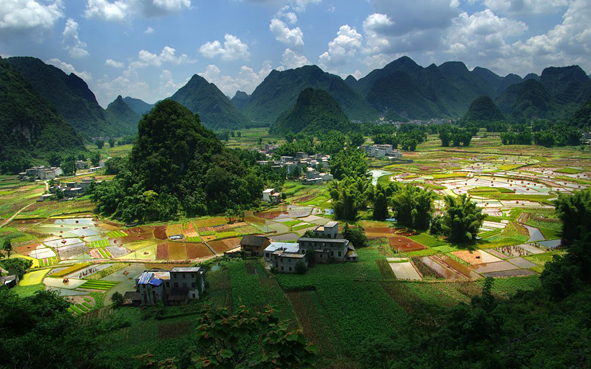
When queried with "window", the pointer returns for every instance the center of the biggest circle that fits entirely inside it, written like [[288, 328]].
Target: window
[[193, 285], [176, 284], [290, 269], [332, 253], [339, 253], [282, 268], [184, 276]]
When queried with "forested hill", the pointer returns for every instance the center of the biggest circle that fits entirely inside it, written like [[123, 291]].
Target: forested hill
[[177, 167], [70, 95], [280, 90], [315, 111], [30, 128], [214, 108], [483, 109], [121, 114], [139, 106], [403, 88]]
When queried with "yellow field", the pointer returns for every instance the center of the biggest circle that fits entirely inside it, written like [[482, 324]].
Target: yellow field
[[139, 245], [32, 278], [35, 261]]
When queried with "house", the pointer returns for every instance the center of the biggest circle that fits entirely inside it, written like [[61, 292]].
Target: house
[[327, 250], [179, 285], [329, 230], [380, 151], [284, 256], [255, 245], [40, 172], [9, 281], [271, 196], [82, 164]]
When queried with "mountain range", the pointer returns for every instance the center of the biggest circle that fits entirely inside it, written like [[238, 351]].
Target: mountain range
[[72, 98], [30, 127], [401, 90]]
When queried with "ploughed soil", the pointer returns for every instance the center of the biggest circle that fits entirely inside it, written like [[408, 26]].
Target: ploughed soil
[[160, 232], [162, 252], [403, 244]]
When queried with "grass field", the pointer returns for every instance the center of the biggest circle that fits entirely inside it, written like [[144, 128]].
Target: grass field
[[98, 285], [33, 278]]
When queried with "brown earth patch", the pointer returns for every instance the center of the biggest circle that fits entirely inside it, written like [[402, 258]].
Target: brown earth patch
[[177, 251], [160, 232], [197, 250], [26, 249], [403, 244], [221, 246], [162, 252]]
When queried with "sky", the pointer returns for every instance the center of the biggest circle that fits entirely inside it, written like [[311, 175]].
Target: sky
[[148, 49]]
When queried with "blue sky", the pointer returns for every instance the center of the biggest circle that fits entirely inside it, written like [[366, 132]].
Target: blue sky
[[150, 48]]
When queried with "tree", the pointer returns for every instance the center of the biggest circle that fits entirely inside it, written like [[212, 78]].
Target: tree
[[462, 219], [575, 213], [300, 267], [249, 339], [349, 196], [95, 158], [289, 137], [356, 235], [380, 204], [356, 139], [351, 163], [7, 247], [112, 142], [16, 266], [69, 165], [413, 206], [117, 300], [54, 159], [99, 144]]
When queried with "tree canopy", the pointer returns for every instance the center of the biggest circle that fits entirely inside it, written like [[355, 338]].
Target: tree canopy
[[177, 166], [462, 219]]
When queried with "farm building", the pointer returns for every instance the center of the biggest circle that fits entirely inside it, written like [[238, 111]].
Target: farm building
[[271, 196], [177, 286], [255, 245], [284, 256]]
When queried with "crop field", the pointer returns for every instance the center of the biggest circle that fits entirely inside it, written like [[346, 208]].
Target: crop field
[[98, 285]]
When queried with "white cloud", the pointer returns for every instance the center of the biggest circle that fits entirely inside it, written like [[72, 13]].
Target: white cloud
[[149, 31], [291, 59], [71, 40], [284, 13], [113, 63], [105, 10], [375, 26], [127, 84], [482, 35], [246, 80], [526, 7], [123, 10], [167, 55], [291, 36], [69, 68], [342, 48], [23, 17], [232, 49], [567, 43]]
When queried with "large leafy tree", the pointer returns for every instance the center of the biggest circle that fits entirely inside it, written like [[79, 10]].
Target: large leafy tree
[[176, 167], [351, 163], [462, 219], [413, 206], [575, 213], [244, 339], [349, 196]]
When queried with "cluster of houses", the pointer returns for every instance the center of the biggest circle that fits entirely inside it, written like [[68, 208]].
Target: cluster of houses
[[381, 151], [177, 286], [301, 160], [7, 280], [327, 246], [40, 172], [69, 189]]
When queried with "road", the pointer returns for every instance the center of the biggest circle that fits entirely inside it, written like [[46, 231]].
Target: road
[[15, 214]]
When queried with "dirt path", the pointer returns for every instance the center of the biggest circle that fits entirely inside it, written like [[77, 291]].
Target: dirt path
[[15, 214]]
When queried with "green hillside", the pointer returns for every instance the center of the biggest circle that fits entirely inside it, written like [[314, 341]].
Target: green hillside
[[69, 94], [30, 128], [582, 117], [315, 111], [483, 109], [240, 99], [122, 116], [280, 90], [139, 106], [528, 99], [214, 108]]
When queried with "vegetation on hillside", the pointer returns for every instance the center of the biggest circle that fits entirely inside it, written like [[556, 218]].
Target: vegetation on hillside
[[483, 109], [31, 129], [315, 111], [177, 166]]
